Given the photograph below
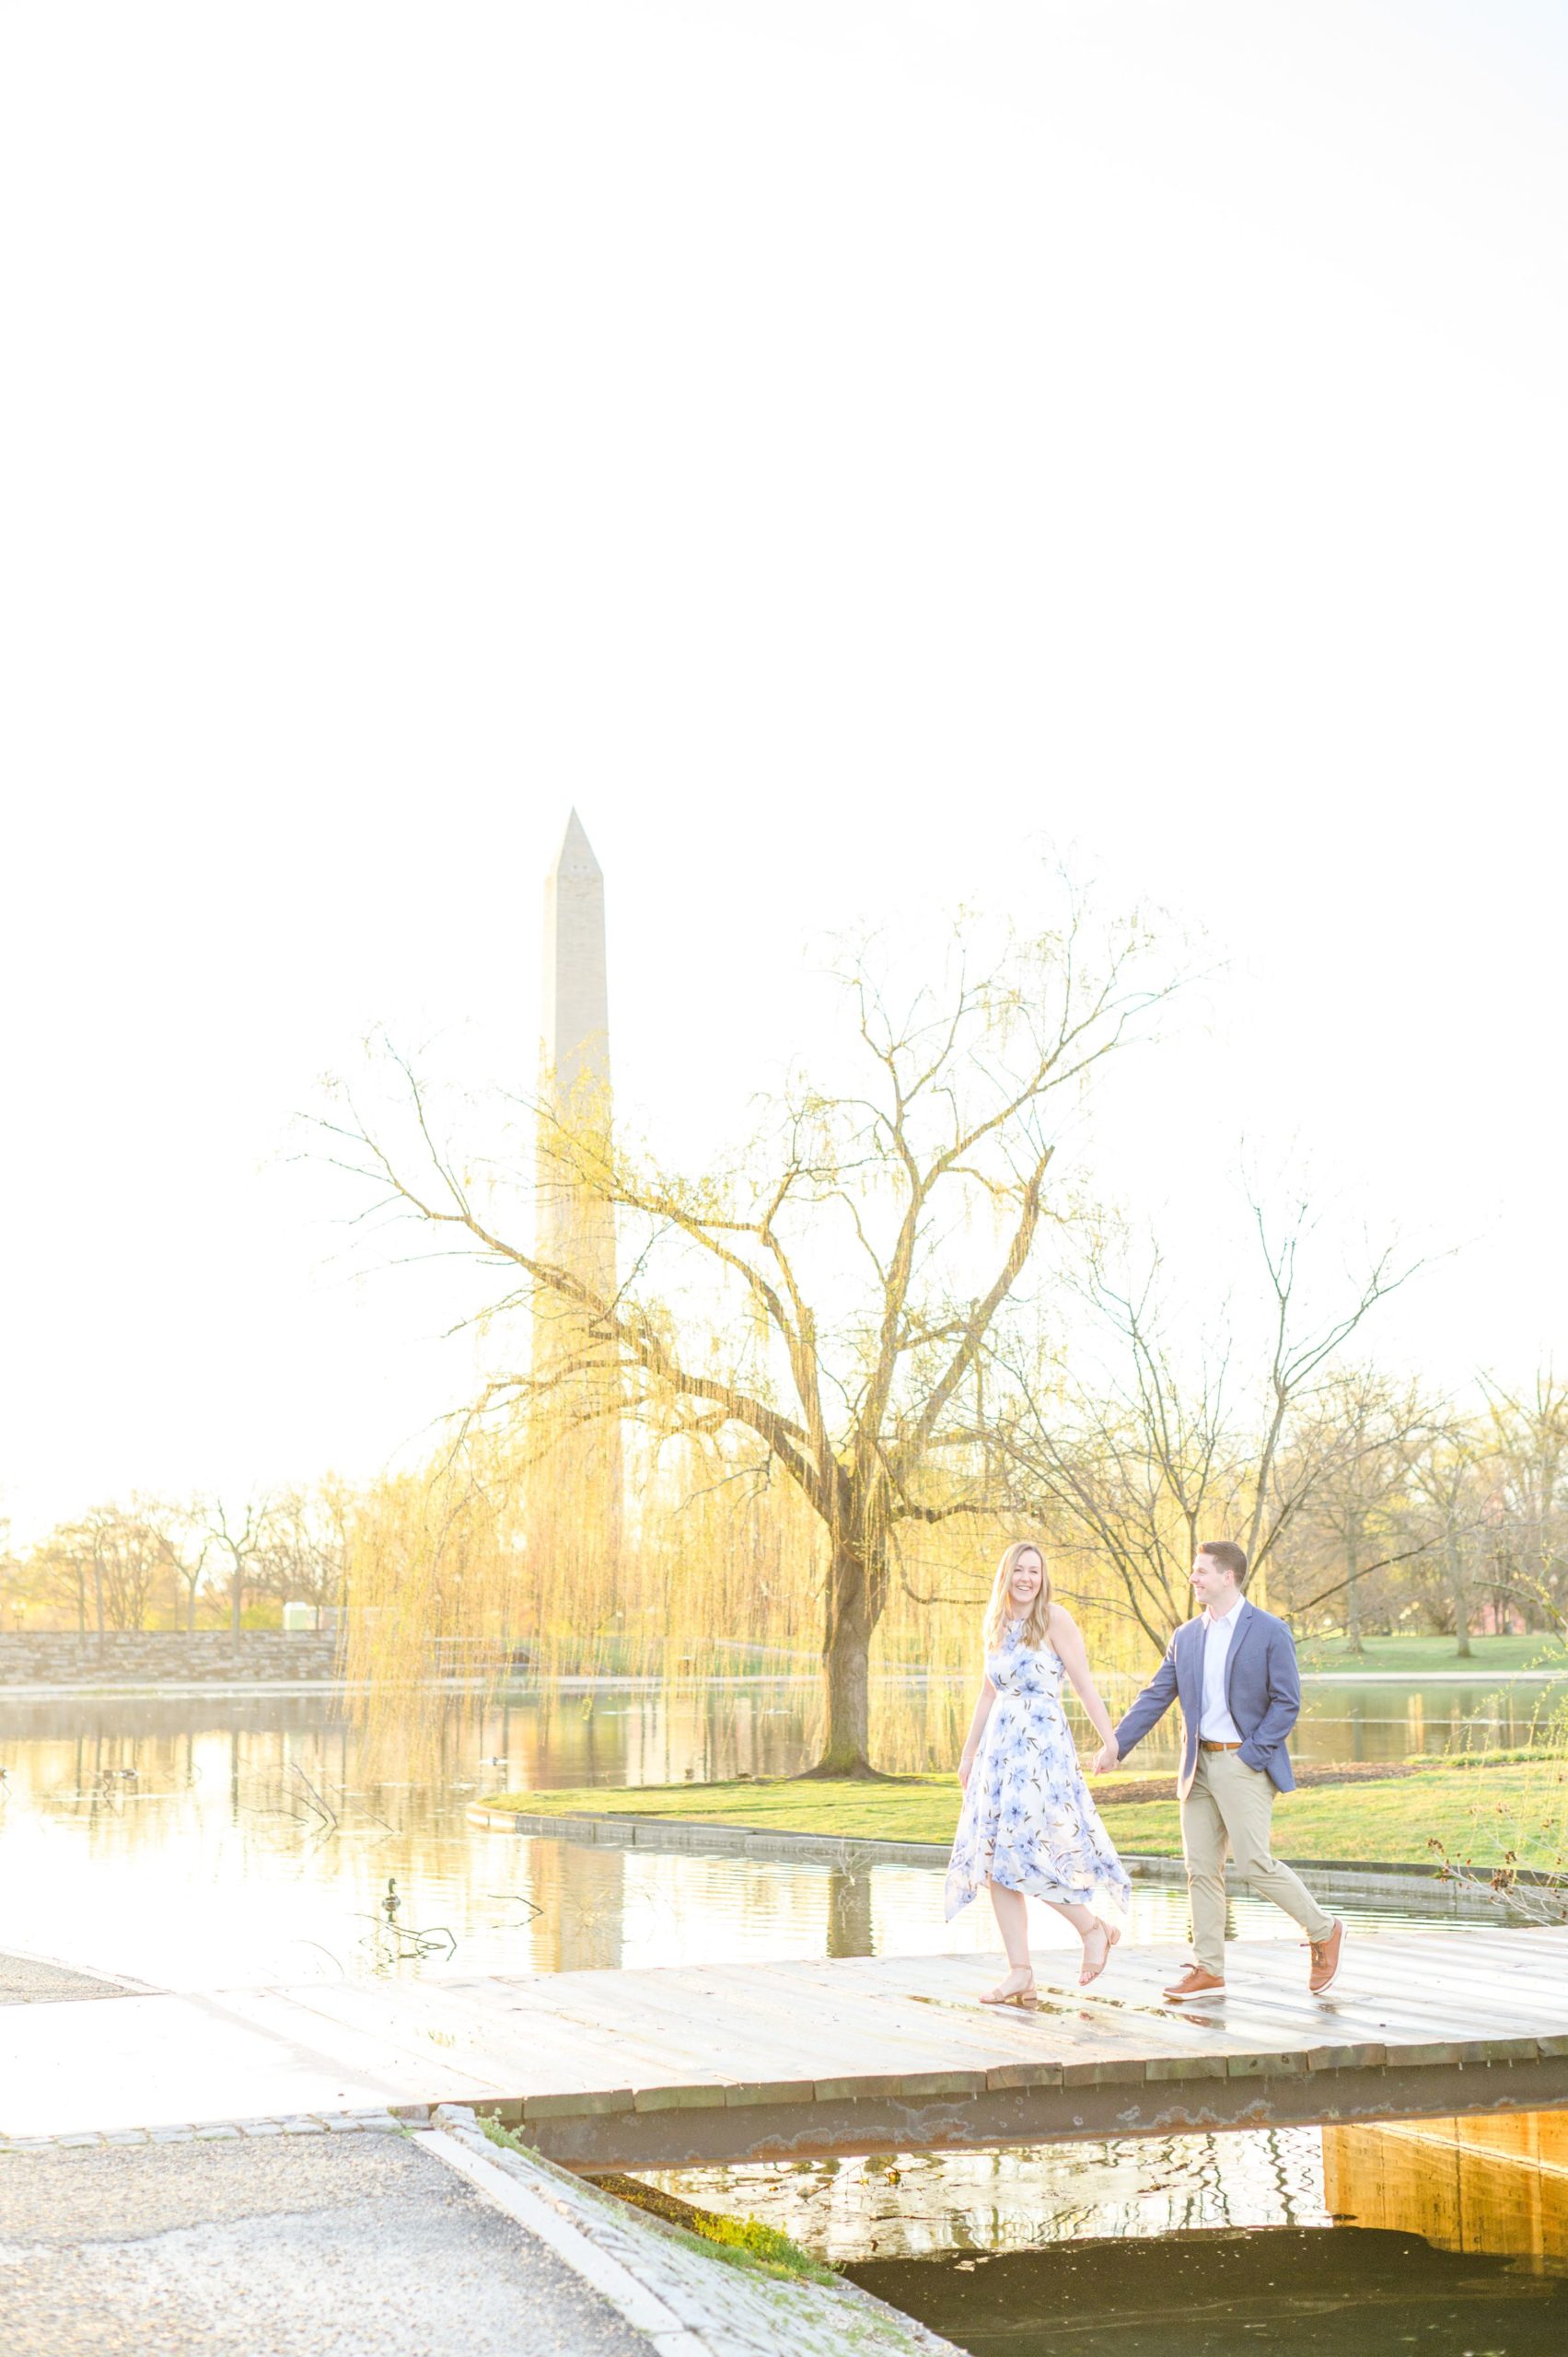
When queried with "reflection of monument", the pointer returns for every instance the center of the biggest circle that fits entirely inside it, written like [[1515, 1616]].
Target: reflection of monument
[[578, 1501], [581, 1896]]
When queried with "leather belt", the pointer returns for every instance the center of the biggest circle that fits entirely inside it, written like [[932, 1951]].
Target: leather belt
[[1203, 1745]]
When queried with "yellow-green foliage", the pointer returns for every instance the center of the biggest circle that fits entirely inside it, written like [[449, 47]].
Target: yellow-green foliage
[[744, 2242], [431, 1581], [718, 1573]]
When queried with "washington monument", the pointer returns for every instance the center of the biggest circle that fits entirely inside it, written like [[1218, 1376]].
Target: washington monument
[[578, 1505]]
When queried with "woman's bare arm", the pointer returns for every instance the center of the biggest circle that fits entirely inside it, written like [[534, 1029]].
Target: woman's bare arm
[[977, 1728], [1067, 1638]]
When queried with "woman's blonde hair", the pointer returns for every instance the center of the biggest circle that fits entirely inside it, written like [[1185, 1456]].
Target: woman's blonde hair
[[999, 1611]]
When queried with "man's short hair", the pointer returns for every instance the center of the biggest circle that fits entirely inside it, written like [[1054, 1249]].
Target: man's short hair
[[1227, 1555]]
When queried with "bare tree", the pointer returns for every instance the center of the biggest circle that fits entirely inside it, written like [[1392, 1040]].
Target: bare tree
[[1133, 1460], [241, 1538], [828, 1293], [1306, 1350], [111, 1562], [187, 1543], [307, 1545], [1447, 1506], [1529, 1508], [1357, 1521], [1164, 1444], [12, 1573]]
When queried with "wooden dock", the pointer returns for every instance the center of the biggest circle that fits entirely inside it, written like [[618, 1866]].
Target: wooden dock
[[856, 2055], [741, 2062]]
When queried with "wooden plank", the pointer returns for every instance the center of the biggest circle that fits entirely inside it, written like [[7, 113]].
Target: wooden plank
[[1407, 2018], [1070, 2017], [734, 2028], [916, 2037], [858, 2030], [1491, 1966], [550, 2056], [879, 2045], [858, 2061]]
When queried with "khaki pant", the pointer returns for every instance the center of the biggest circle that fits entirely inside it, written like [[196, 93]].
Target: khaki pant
[[1229, 1808]]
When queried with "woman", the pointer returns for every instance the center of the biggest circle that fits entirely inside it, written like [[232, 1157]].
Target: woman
[[1028, 1823]]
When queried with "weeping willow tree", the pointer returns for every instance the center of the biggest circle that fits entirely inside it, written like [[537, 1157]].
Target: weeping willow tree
[[819, 1305], [432, 1575], [575, 1452]]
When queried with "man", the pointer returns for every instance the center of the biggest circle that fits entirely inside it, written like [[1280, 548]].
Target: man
[[1234, 1672]]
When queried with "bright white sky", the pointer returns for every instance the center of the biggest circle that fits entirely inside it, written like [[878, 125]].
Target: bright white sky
[[837, 446]]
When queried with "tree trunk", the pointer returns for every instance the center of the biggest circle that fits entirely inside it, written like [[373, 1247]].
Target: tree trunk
[[1353, 1601], [847, 1670], [236, 1600], [1459, 1598]]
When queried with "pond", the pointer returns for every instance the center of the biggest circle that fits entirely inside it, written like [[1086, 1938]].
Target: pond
[[1450, 2238], [187, 1839], [201, 1841]]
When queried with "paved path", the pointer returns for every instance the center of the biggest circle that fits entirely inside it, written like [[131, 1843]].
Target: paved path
[[347, 2234], [36, 1981], [361, 2246]]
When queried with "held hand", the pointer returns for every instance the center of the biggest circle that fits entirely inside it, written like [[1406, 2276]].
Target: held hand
[[1107, 1758]]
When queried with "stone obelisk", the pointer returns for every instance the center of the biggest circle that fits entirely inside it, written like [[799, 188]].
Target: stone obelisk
[[580, 1495], [577, 993]]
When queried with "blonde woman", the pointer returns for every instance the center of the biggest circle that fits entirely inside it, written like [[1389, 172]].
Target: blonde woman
[[1028, 1823]]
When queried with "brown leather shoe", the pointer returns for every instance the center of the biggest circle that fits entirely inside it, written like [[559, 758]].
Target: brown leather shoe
[[1195, 1983], [1325, 1961]]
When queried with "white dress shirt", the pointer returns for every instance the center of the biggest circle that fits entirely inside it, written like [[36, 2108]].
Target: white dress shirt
[[1216, 1726]]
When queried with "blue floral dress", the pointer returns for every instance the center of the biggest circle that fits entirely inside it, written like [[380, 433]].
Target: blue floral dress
[[1027, 1821]]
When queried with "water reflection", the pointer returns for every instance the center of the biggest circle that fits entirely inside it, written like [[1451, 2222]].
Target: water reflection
[[928, 2205], [1496, 2184], [1450, 2237], [1366, 1720], [762, 1726], [191, 1840]]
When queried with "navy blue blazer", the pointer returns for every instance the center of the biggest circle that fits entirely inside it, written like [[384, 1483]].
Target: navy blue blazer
[[1263, 1691]]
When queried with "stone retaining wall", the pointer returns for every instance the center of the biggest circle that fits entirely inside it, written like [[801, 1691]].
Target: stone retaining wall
[[155, 1657]]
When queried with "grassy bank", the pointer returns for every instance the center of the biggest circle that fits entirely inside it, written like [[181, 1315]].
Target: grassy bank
[[1481, 1813], [1418, 1656]]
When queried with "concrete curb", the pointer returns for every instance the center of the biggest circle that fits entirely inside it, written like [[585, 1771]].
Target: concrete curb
[[1412, 1885], [688, 2301], [315, 2123], [169, 1689], [642, 2308]]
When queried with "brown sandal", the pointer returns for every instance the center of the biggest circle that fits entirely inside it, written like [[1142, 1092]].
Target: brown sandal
[[1110, 1938], [1027, 1997]]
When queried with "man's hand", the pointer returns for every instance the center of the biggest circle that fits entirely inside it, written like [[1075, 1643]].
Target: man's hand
[[1107, 1758]]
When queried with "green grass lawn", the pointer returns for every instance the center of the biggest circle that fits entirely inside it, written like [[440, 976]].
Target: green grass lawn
[[1480, 1814], [1414, 1656]]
